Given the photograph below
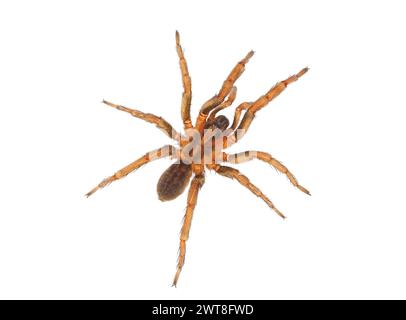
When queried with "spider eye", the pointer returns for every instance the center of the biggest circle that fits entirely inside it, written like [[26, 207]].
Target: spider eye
[[221, 122]]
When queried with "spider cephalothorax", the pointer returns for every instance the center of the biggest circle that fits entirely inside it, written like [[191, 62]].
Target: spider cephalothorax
[[201, 146]]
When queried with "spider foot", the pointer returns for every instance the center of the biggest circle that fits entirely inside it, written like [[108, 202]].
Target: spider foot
[[87, 195], [175, 280], [304, 190]]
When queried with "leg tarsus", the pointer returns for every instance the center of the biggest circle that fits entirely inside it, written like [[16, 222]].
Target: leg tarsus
[[181, 262], [161, 123], [234, 75], [266, 157], [243, 180], [165, 151]]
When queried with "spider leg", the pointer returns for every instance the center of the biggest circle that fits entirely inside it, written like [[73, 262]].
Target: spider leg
[[266, 157], [223, 93], [165, 151], [233, 76], [195, 186], [224, 104], [242, 179], [258, 105], [161, 123], [187, 85], [237, 114]]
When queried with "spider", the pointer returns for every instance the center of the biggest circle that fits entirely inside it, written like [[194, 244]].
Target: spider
[[202, 146]]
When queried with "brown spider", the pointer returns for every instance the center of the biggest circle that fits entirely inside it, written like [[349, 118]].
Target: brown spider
[[202, 145]]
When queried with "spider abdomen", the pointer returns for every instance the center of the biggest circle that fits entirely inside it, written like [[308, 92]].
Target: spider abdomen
[[173, 181]]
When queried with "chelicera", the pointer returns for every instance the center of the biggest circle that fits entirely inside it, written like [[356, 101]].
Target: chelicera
[[203, 143]]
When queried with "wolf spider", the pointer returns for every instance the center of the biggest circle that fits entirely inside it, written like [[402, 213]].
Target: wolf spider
[[194, 160]]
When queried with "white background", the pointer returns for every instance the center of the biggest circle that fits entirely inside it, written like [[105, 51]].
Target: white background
[[340, 129]]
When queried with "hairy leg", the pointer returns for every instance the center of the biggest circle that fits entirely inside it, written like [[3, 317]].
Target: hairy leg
[[233, 76], [195, 186], [165, 151], [224, 104], [243, 180], [223, 93], [258, 105], [266, 157], [237, 114], [161, 123], [187, 85]]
